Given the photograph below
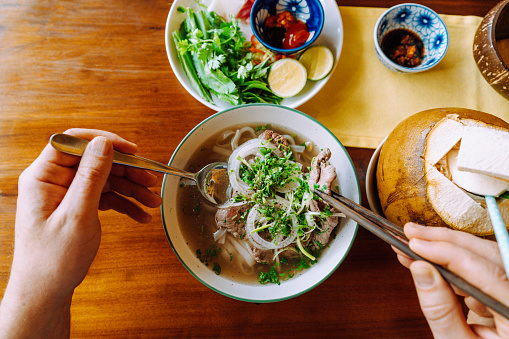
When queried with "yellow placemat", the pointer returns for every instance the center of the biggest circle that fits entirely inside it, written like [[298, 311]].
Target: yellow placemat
[[363, 101]]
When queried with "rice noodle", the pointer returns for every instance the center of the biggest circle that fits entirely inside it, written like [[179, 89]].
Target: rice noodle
[[309, 146], [238, 135], [219, 235], [290, 139], [222, 141], [247, 255], [222, 151], [246, 269]]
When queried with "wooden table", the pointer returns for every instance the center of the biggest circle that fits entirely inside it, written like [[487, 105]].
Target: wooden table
[[102, 64]]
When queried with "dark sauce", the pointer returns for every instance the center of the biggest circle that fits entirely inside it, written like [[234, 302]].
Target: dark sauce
[[274, 36], [404, 47], [285, 31]]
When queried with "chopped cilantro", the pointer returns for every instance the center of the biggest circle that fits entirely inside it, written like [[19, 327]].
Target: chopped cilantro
[[261, 128], [216, 268], [210, 254], [269, 277]]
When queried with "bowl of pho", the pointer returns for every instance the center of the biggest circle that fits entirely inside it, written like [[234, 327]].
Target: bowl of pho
[[274, 239]]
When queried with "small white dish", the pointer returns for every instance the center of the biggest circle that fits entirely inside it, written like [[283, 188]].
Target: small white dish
[[331, 36], [309, 129]]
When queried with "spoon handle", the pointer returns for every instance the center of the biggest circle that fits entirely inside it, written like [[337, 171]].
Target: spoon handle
[[76, 146], [500, 231]]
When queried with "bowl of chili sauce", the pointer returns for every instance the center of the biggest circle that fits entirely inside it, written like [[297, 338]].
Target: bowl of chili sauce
[[410, 38], [287, 26]]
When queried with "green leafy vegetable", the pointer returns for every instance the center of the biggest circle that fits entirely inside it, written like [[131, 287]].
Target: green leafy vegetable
[[216, 60]]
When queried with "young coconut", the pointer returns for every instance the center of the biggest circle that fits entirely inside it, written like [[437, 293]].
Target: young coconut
[[414, 172]]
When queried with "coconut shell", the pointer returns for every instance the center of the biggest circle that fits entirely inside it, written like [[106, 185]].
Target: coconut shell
[[401, 178]]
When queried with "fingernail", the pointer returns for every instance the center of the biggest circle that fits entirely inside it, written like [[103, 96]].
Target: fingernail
[[423, 276], [100, 146]]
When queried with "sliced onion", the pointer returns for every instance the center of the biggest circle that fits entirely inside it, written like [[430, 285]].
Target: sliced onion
[[254, 215], [306, 198], [231, 203], [310, 221], [298, 148]]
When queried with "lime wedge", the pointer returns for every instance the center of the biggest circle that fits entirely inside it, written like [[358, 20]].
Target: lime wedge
[[287, 77], [318, 61]]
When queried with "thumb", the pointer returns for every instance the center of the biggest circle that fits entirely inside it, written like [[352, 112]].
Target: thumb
[[94, 168], [439, 303]]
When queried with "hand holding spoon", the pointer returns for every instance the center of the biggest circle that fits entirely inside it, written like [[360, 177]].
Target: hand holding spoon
[[212, 180]]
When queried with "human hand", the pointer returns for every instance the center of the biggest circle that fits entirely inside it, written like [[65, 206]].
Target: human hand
[[57, 231], [476, 260]]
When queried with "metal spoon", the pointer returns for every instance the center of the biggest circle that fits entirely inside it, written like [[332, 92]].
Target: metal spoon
[[212, 180]]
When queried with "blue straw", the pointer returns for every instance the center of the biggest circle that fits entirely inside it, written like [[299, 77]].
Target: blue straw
[[500, 230]]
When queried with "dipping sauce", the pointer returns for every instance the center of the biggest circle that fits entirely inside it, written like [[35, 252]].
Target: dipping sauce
[[285, 31], [404, 47]]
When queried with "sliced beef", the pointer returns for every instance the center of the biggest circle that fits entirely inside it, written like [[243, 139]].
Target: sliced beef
[[322, 173], [275, 137], [263, 256], [327, 228], [230, 218]]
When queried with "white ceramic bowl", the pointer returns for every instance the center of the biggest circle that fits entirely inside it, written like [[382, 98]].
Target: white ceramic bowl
[[371, 185], [422, 21], [301, 124], [331, 36]]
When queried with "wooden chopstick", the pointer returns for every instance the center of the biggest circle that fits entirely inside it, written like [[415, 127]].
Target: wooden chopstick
[[394, 235]]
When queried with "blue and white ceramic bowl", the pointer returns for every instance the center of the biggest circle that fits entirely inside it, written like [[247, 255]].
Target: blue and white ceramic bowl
[[421, 20], [308, 11]]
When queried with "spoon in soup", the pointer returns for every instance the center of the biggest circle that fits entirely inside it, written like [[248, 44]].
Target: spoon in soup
[[212, 180]]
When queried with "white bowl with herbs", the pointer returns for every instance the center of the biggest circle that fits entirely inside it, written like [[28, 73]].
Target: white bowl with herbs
[[274, 240], [225, 66]]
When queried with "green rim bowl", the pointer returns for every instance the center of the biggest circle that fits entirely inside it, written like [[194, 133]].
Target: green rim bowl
[[276, 116]]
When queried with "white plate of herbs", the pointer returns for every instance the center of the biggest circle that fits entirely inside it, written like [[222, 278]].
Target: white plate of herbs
[[249, 78]]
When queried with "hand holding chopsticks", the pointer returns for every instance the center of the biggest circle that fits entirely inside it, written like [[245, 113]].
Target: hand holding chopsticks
[[393, 235]]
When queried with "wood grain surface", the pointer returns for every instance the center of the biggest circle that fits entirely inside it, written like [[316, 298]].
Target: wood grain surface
[[103, 64]]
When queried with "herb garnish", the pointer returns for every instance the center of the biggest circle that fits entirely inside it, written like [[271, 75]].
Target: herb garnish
[[216, 59]]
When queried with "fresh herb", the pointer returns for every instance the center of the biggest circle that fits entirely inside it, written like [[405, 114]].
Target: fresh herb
[[272, 276], [261, 128], [216, 268], [269, 277], [265, 175], [216, 59], [209, 255]]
